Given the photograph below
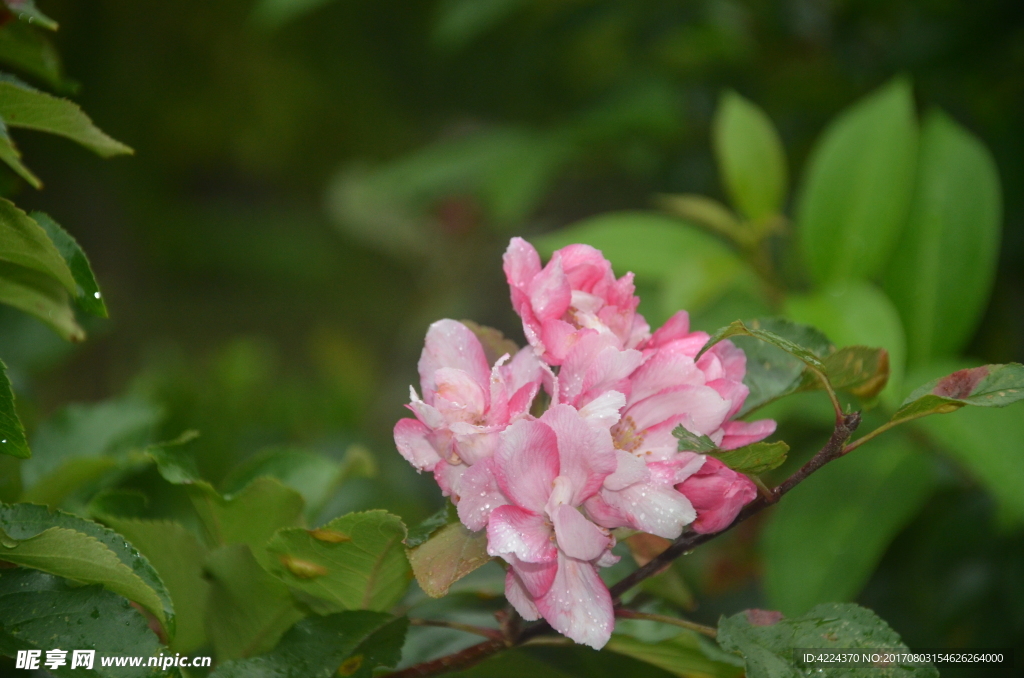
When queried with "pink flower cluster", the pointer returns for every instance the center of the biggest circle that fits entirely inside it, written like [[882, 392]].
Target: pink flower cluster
[[550, 489]]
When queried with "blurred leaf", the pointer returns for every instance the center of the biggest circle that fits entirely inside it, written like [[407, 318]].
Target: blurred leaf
[[27, 11], [947, 256], [692, 268], [691, 442], [856, 313], [12, 433], [251, 516], [682, 655], [178, 557], [10, 154], [447, 556], [459, 22], [76, 617], [515, 663], [275, 13], [354, 562], [28, 50], [767, 643], [25, 243], [23, 106], [247, 610], [314, 476], [87, 293], [707, 212], [862, 371], [754, 459], [80, 442], [828, 534], [343, 644], [40, 295], [858, 186], [750, 156], [985, 386], [73, 547]]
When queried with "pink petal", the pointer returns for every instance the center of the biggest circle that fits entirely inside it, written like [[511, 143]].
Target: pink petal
[[526, 463], [586, 456], [629, 470], [717, 493], [458, 397], [577, 536], [478, 495], [609, 371], [578, 604], [521, 262], [558, 337], [697, 404], [473, 444], [678, 468], [411, 438], [735, 392], [740, 433], [585, 266], [734, 360], [550, 293], [521, 401], [524, 369], [449, 478], [676, 327], [519, 597], [536, 577], [451, 344], [515, 531], [603, 412], [652, 507], [667, 367], [603, 513]]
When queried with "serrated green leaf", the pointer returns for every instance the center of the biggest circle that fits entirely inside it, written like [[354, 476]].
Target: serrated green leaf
[[25, 243], [985, 386], [12, 433], [354, 562], [828, 534], [856, 313], [947, 255], [247, 610], [861, 370], [40, 295], [447, 556], [767, 643], [343, 644], [10, 154], [420, 533], [27, 11], [23, 106], [40, 611], [178, 558], [684, 655], [87, 293], [858, 185], [804, 354], [750, 158], [691, 442], [251, 516], [135, 578], [754, 459], [29, 51]]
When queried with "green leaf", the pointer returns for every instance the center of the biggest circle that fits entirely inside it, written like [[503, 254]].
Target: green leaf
[[459, 22], [354, 562], [73, 547], [947, 256], [178, 558], [343, 644], [691, 268], [79, 443], [449, 555], [750, 156], [247, 609], [10, 154], [691, 442], [87, 292], [856, 313], [275, 13], [43, 612], [685, 654], [12, 433], [25, 243], [26, 10], [251, 516], [431, 524], [28, 50], [40, 295], [23, 106], [985, 386], [767, 643], [858, 186], [707, 212], [754, 459], [828, 534]]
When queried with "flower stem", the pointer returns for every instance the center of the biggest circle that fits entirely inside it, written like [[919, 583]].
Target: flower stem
[[493, 634], [665, 619]]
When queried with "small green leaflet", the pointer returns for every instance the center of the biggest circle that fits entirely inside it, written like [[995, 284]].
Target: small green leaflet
[[691, 442], [350, 644], [12, 434], [419, 534], [10, 154], [755, 458], [447, 556], [985, 386], [88, 293], [766, 640]]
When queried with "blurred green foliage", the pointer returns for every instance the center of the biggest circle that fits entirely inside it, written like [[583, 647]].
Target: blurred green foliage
[[315, 181]]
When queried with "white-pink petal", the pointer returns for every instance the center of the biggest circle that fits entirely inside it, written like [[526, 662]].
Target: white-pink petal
[[577, 536], [413, 441], [515, 531], [586, 456], [740, 433], [526, 463], [449, 343], [519, 597], [477, 494], [578, 604]]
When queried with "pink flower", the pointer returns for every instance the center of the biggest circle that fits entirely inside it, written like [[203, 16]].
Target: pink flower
[[466, 403], [717, 493], [575, 294], [529, 493]]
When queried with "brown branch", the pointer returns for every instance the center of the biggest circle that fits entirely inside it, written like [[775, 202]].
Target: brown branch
[[493, 634], [833, 449]]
